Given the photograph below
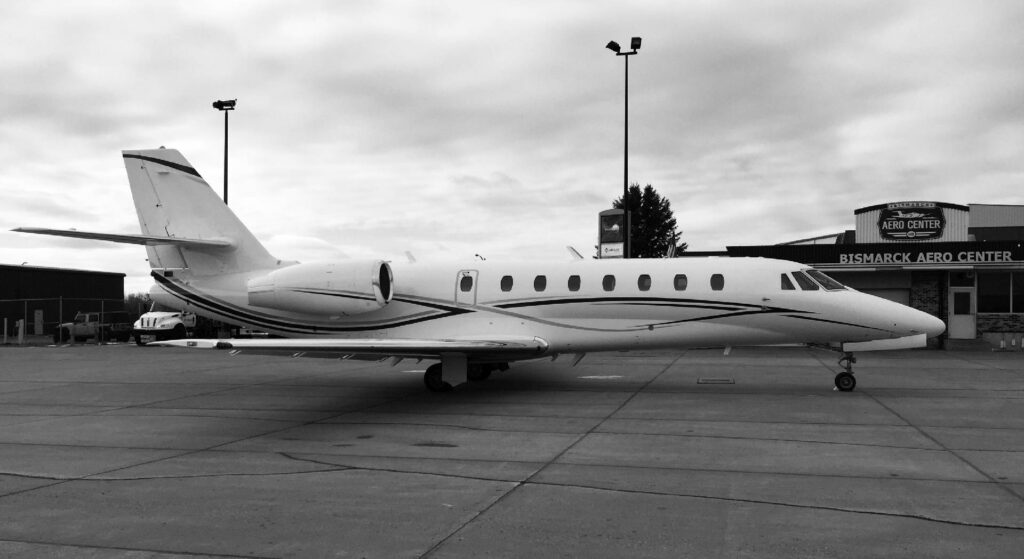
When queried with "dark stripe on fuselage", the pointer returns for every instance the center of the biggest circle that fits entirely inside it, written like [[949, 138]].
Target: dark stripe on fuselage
[[270, 322], [814, 319], [647, 301], [177, 166], [338, 294]]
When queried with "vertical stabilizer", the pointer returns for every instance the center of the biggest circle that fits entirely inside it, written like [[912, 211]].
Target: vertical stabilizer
[[173, 200]]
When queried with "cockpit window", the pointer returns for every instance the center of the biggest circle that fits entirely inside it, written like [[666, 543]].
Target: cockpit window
[[787, 284], [825, 281], [805, 282]]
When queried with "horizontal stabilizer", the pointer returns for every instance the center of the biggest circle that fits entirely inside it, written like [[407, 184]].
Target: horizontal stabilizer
[[148, 240], [383, 347], [906, 342]]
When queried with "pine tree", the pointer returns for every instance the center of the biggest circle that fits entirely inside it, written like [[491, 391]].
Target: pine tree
[[652, 225]]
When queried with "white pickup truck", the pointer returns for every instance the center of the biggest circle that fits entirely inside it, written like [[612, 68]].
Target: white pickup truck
[[163, 325]]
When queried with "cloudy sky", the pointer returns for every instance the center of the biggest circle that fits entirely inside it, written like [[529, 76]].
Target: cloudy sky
[[451, 128]]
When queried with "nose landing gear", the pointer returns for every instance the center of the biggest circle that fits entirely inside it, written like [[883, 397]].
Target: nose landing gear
[[845, 381]]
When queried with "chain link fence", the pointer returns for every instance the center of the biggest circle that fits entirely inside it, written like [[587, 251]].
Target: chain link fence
[[33, 321]]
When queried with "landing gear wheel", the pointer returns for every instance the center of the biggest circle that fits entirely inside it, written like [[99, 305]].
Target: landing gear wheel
[[432, 378], [845, 382], [478, 372]]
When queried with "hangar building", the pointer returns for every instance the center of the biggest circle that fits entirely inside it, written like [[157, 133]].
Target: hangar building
[[45, 297], [963, 264]]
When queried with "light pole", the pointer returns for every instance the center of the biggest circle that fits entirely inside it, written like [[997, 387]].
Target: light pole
[[626, 245], [225, 106]]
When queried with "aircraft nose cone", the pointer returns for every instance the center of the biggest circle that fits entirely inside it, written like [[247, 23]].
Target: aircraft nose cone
[[924, 323]]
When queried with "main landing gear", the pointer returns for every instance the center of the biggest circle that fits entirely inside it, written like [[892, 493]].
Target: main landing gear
[[434, 380], [845, 381]]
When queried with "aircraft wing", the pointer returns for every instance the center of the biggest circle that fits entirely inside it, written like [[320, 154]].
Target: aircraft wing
[[506, 348], [149, 240]]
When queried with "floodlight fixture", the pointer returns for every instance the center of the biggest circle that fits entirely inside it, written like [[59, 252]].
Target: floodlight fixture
[[612, 45], [225, 106], [635, 43]]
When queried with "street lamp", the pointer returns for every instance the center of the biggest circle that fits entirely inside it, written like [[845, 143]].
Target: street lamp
[[225, 106], [613, 46]]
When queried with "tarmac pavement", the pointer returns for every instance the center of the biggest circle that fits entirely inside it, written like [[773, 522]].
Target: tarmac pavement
[[126, 451]]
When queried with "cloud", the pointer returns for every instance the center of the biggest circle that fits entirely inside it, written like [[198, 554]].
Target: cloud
[[458, 127]]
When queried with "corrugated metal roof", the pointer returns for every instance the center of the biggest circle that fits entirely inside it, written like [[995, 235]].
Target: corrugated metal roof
[[995, 215]]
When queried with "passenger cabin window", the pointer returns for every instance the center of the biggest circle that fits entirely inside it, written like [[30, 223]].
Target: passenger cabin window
[[805, 282], [644, 282], [608, 283], [679, 282], [825, 281], [466, 284], [574, 283], [787, 284], [540, 283], [506, 283], [717, 282]]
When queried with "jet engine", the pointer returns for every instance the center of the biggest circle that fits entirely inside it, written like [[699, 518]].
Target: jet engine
[[325, 288]]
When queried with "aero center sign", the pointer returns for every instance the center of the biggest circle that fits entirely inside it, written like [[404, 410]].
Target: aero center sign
[[910, 221], [903, 222]]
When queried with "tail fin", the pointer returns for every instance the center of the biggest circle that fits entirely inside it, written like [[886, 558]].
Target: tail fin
[[173, 201]]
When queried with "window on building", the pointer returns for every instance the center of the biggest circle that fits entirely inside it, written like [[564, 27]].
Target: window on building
[[962, 303], [540, 283], [466, 284], [574, 283], [806, 283], [717, 282], [506, 283], [644, 282], [787, 284], [608, 283], [679, 282], [961, 279], [994, 291]]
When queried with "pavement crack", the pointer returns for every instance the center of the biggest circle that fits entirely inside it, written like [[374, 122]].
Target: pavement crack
[[789, 505]]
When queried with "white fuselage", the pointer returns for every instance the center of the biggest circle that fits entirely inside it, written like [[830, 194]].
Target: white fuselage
[[580, 306]]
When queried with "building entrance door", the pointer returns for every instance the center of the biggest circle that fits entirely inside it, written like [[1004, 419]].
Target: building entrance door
[[963, 306]]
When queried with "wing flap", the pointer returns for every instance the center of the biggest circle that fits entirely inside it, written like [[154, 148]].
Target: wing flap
[[148, 240]]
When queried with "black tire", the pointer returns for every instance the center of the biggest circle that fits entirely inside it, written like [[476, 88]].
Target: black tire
[[433, 380], [845, 382], [138, 340], [179, 333]]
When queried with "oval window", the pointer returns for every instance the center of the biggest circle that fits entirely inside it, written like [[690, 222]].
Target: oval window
[[679, 282], [506, 283], [608, 283], [540, 283], [717, 282], [574, 283]]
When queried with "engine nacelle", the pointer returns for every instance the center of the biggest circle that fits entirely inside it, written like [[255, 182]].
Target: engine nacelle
[[325, 288]]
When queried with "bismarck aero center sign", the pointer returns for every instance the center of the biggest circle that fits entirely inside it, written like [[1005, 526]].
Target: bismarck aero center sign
[[911, 221], [928, 257]]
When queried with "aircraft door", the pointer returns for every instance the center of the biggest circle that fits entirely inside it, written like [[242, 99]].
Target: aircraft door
[[465, 287]]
